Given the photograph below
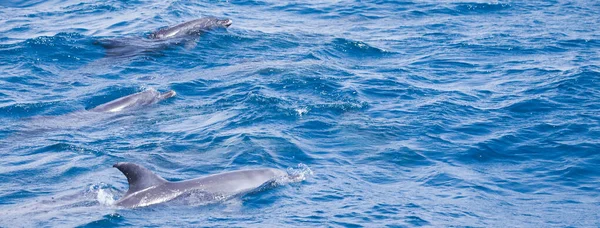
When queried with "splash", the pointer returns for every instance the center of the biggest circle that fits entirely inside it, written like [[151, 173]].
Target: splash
[[105, 198], [104, 195], [298, 174]]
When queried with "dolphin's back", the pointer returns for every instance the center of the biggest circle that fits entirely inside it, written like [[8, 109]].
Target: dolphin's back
[[190, 28], [231, 183], [146, 97]]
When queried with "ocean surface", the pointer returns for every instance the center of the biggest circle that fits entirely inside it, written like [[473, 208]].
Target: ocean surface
[[395, 113]]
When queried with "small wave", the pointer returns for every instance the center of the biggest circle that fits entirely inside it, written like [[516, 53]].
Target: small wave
[[289, 107], [355, 49], [404, 157], [533, 105], [482, 8], [90, 8], [579, 43], [56, 40], [340, 107], [21, 110], [300, 8], [490, 151], [20, 3], [445, 64], [65, 48], [57, 147], [109, 220]]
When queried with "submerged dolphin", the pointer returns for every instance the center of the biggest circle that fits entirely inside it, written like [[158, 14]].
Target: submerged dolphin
[[147, 97], [147, 188], [185, 33]]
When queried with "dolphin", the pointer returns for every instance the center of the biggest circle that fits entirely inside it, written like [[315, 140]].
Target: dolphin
[[184, 33], [147, 97], [147, 188], [191, 28]]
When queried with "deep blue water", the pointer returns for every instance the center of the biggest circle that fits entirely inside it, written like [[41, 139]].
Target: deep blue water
[[434, 113]]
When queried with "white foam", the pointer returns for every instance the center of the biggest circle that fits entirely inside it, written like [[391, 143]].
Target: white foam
[[298, 174], [103, 195], [302, 111]]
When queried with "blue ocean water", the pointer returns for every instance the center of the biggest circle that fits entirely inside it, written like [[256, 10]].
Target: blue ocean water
[[400, 113]]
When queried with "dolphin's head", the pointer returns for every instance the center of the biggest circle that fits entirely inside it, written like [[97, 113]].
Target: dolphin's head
[[195, 27], [212, 22]]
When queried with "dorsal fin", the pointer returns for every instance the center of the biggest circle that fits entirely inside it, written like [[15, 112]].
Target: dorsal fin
[[139, 178]]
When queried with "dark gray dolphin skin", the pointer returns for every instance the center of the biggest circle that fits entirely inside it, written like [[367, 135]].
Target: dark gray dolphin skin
[[147, 97], [147, 188], [191, 28]]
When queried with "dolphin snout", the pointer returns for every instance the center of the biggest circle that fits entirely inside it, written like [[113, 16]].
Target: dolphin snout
[[227, 22], [169, 94]]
